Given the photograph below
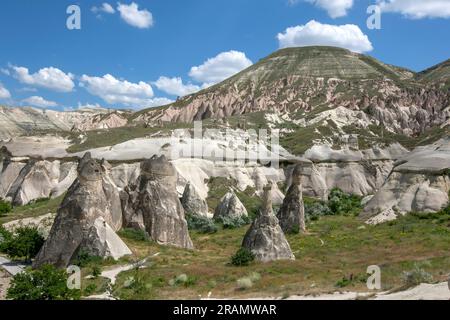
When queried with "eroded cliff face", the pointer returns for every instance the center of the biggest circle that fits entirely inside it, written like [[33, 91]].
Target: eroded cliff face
[[303, 82], [25, 120], [419, 182]]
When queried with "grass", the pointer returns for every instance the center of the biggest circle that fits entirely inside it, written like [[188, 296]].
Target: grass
[[340, 262], [35, 209], [219, 186]]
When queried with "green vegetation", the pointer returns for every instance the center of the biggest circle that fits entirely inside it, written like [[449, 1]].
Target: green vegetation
[[219, 186], [84, 259], [133, 234], [201, 224], [35, 209], [25, 243], [233, 223], [243, 257], [339, 203], [103, 138], [5, 207], [46, 283], [5, 237]]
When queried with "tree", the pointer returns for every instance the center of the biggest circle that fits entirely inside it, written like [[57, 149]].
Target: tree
[[25, 243], [46, 283]]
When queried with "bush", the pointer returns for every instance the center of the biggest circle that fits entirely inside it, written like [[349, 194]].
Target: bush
[[84, 259], [416, 276], [201, 224], [25, 243], [314, 209], [233, 223], [5, 237], [46, 283], [136, 235], [341, 203], [247, 282], [5, 207], [184, 280], [243, 257]]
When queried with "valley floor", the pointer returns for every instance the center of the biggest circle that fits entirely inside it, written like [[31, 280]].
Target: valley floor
[[332, 257]]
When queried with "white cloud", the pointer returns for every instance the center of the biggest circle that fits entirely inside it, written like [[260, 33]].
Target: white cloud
[[105, 7], [175, 86], [221, 67], [4, 93], [417, 9], [314, 33], [5, 71], [50, 78], [335, 8], [89, 106], [115, 91], [131, 14], [37, 101]]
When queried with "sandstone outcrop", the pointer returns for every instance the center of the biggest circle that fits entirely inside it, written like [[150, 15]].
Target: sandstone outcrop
[[419, 182], [292, 212], [230, 207], [193, 203], [153, 203], [265, 239], [86, 220]]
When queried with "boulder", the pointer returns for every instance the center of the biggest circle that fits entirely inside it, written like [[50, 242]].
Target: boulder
[[231, 207], [265, 239], [86, 220], [292, 211], [193, 203], [155, 200]]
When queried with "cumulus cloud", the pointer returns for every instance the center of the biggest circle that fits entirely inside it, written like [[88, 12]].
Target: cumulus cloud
[[37, 101], [314, 33], [49, 78], [131, 14], [417, 9], [105, 7], [335, 8], [116, 91], [175, 86], [221, 67], [4, 93]]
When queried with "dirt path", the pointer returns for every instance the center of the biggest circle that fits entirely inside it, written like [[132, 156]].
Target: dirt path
[[5, 279]]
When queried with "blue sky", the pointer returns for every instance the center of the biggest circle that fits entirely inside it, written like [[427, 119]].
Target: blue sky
[[45, 64]]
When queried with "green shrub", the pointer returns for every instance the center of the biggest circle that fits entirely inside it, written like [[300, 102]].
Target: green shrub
[[96, 271], [84, 259], [183, 280], [233, 223], [416, 276], [46, 283], [5, 237], [134, 234], [201, 224], [314, 209], [243, 257], [90, 289], [5, 207], [24, 244], [341, 203]]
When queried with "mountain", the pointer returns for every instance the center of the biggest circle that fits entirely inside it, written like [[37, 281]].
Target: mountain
[[317, 93], [438, 74], [27, 120]]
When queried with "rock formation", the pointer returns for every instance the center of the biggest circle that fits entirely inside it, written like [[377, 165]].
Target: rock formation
[[230, 207], [86, 220], [265, 239], [154, 203], [419, 182], [292, 211], [193, 203]]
